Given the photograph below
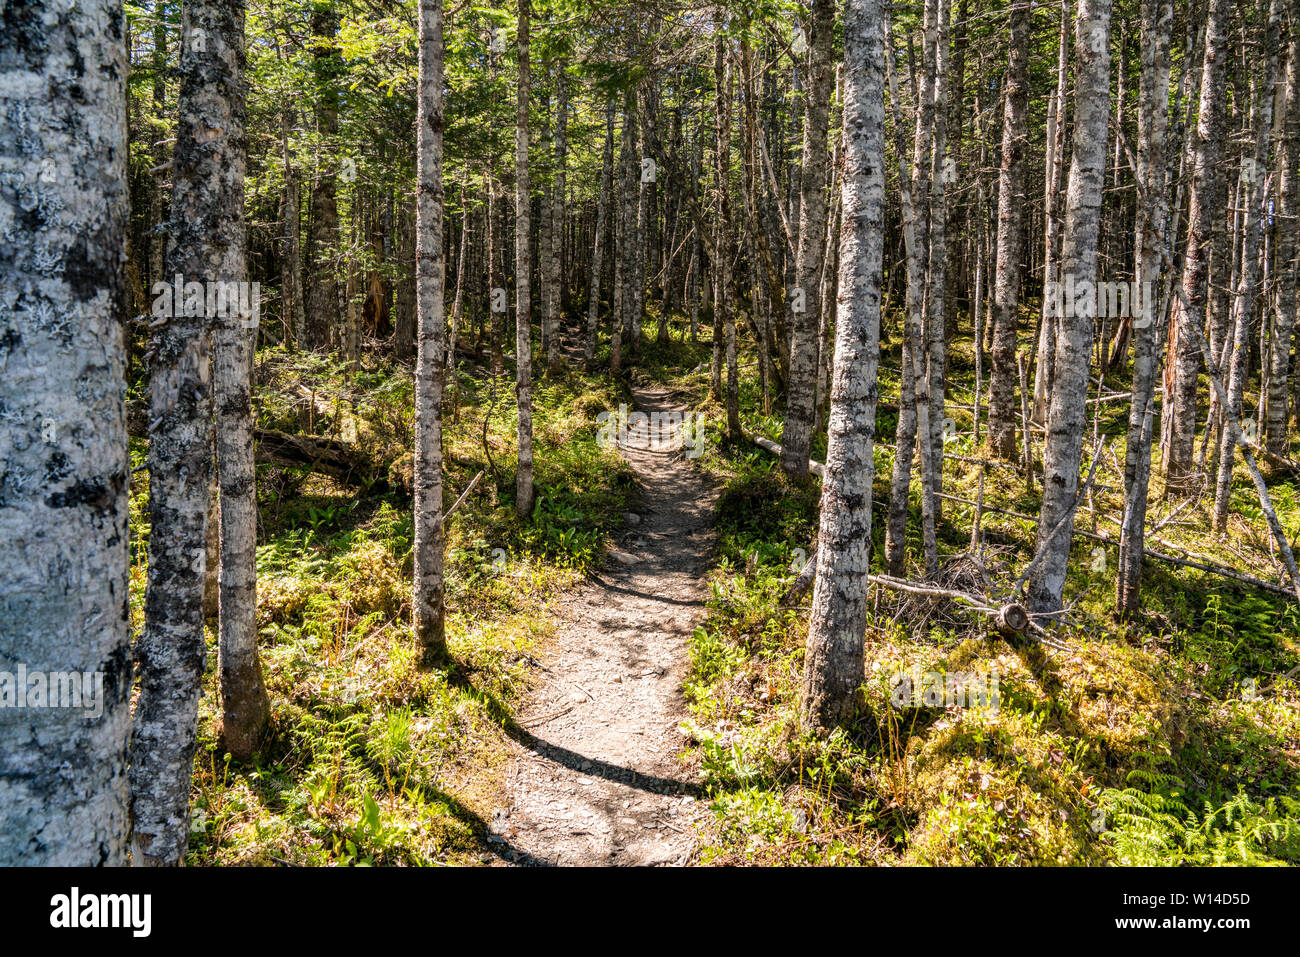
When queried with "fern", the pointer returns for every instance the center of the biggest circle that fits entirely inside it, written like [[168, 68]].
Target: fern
[[1157, 826]]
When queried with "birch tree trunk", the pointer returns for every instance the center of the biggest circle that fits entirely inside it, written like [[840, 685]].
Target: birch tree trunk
[[1152, 212], [554, 291], [523, 284], [801, 385], [1252, 191], [293, 314], [1288, 229], [323, 237], [428, 613], [63, 442], [1011, 217], [1044, 367], [598, 250], [1183, 361], [245, 706], [838, 620], [1066, 415], [207, 220]]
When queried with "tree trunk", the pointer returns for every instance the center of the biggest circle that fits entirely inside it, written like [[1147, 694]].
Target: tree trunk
[[207, 221], [1252, 192], [554, 284], [801, 386], [523, 284], [1152, 211], [323, 237], [838, 620], [936, 341], [1288, 229], [1066, 414], [1011, 216], [1044, 367], [914, 404], [427, 601], [598, 251], [725, 314], [1183, 362], [293, 314], [245, 706], [63, 444]]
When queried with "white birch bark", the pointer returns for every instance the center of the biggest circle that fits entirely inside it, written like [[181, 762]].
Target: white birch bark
[[801, 386], [63, 451], [838, 620], [207, 218], [523, 283], [428, 612], [1066, 419]]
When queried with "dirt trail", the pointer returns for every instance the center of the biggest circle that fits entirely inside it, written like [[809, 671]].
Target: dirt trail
[[596, 778]]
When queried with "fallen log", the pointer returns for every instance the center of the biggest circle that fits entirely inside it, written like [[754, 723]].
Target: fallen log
[[316, 453], [815, 467]]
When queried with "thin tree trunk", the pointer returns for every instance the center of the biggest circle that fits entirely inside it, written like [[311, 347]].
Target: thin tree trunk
[[323, 237], [1066, 414], [1152, 211], [838, 620], [936, 342], [207, 219], [1288, 229], [914, 404], [1183, 360], [555, 290], [598, 250], [428, 613], [293, 314], [457, 303], [1252, 191], [1044, 367], [1011, 215], [801, 385], [724, 314], [523, 285]]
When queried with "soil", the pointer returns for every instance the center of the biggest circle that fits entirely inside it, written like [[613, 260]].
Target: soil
[[597, 777]]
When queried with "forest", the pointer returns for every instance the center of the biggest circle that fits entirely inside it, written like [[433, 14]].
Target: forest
[[657, 432]]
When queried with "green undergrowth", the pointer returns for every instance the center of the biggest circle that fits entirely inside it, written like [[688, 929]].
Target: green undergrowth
[[1173, 739], [368, 759]]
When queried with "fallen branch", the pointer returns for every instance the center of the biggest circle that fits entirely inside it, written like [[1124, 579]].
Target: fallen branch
[[815, 467], [1205, 565], [463, 495]]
